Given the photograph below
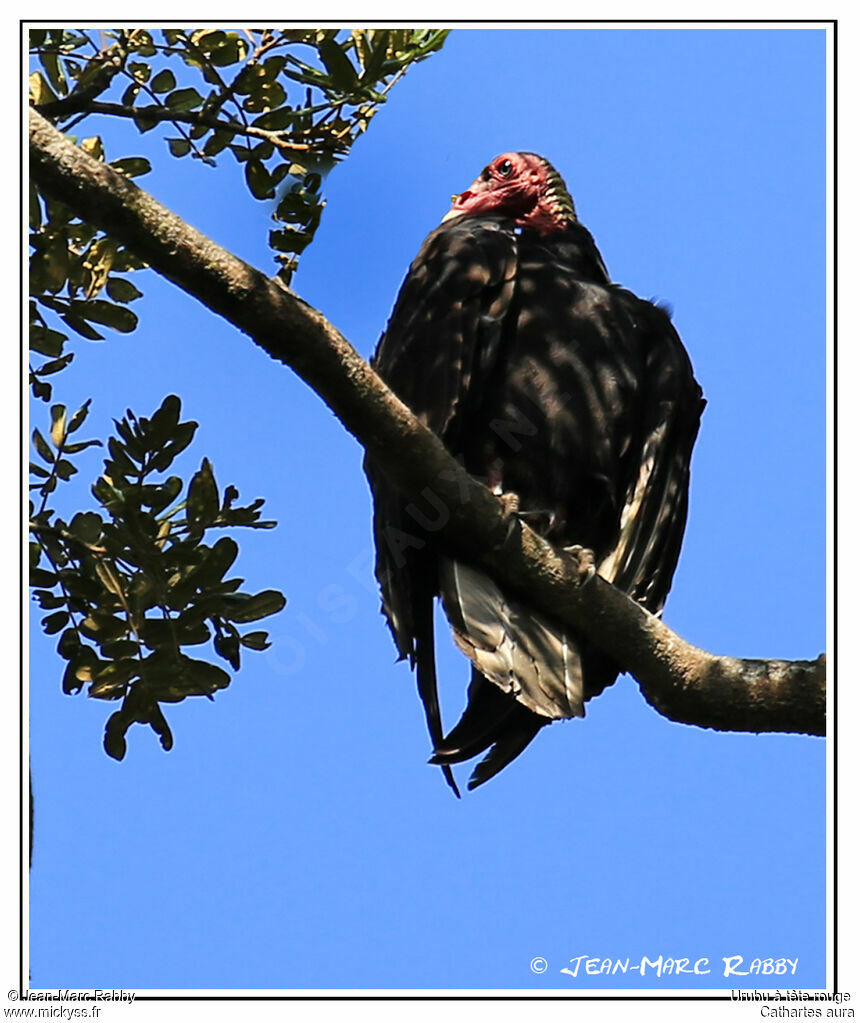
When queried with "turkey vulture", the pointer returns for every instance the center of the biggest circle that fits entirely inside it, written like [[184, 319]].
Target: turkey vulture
[[547, 381]]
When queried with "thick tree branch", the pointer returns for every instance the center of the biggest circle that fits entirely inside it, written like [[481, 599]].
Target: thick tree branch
[[679, 680]]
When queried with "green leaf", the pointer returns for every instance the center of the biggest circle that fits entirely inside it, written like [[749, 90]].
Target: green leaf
[[217, 141], [132, 166], [51, 63], [78, 418], [159, 496], [273, 66], [338, 65], [101, 625], [208, 39], [119, 648], [58, 425], [377, 57], [114, 741], [158, 634], [163, 421], [219, 558], [42, 577], [202, 504], [50, 261], [127, 260], [280, 172], [231, 51], [111, 580], [158, 724], [73, 449], [261, 605], [130, 94], [87, 664], [273, 95], [53, 623], [56, 365], [205, 677], [81, 664], [183, 99], [179, 147], [289, 240], [263, 151], [241, 151], [69, 644], [116, 316], [259, 180], [183, 436], [42, 447], [164, 81], [40, 388], [80, 326], [121, 290], [191, 633], [308, 76], [145, 122], [45, 341], [35, 208], [121, 670], [87, 527], [255, 640], [227, 646], [275, 120], [120, 462], [142, 43], [98, 263], [140, 70], [48, 487]]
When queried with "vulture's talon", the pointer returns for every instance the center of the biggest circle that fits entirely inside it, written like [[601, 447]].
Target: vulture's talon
[[510, 503], [510, 512], [584, 558], [543, 519]]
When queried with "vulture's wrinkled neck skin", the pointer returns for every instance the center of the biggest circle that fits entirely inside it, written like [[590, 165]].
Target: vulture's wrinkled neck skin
[[531, 192], [545, 218]]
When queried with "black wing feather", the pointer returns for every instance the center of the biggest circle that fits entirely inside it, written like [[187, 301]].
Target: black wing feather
[[649, 544], [448, 316]]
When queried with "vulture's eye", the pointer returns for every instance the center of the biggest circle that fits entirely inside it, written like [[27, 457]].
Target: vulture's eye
[[505, 168]]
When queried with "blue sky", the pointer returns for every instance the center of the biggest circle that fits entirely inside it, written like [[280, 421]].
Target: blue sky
[[295, 837]]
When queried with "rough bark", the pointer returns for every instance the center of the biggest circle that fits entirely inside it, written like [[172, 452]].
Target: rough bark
[[681, 681]]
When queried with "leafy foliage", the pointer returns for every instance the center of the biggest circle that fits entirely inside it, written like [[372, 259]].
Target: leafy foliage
[[130, 587], [71, 265], [285, 104]]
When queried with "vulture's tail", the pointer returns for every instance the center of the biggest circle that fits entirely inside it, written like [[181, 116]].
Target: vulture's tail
[[526, 654], [491, 718], [527, 671], [425, 665]]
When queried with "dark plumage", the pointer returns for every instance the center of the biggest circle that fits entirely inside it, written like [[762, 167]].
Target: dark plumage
[[510, 342]]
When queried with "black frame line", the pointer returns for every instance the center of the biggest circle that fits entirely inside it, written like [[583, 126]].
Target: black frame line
[[832, 418]]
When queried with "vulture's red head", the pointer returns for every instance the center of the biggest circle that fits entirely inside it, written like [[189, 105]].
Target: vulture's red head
[[522, 186]]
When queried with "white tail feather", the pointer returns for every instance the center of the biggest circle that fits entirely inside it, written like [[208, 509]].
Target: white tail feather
[[521, 651]]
